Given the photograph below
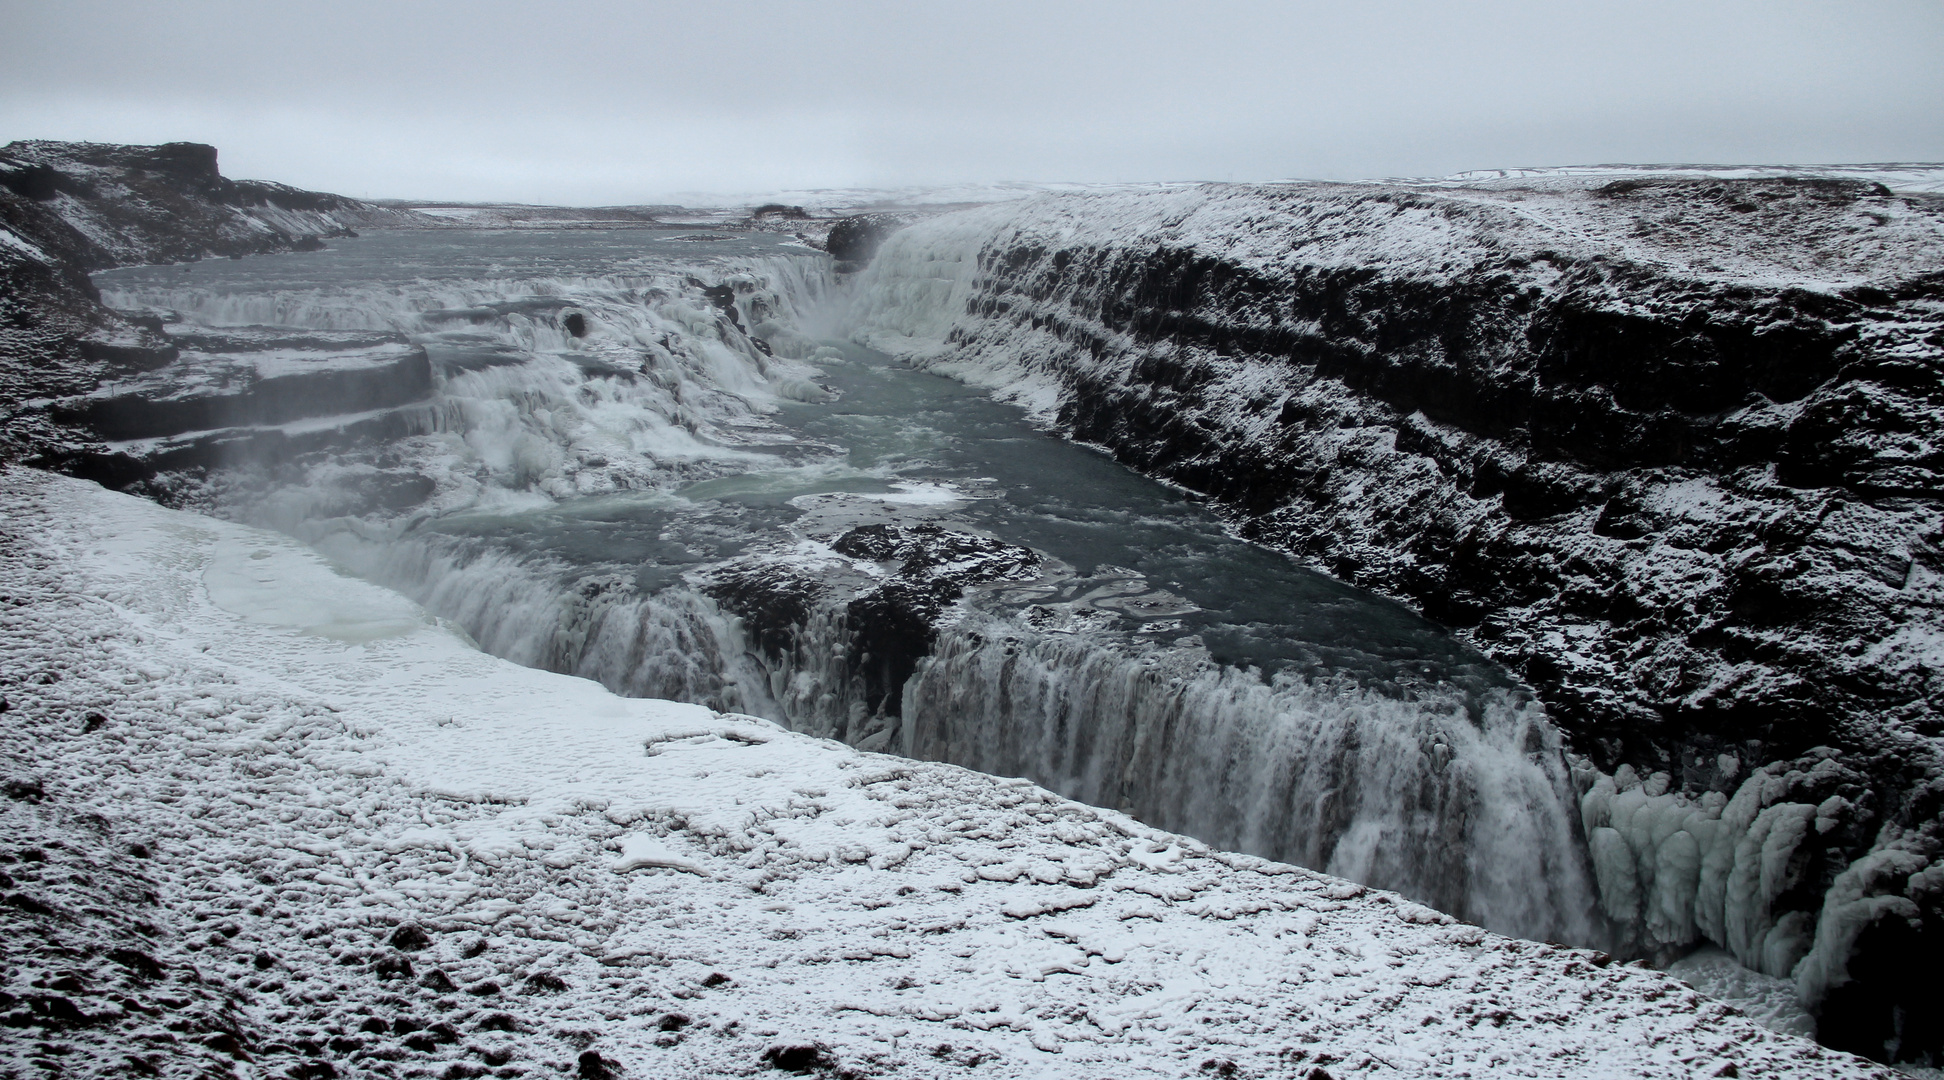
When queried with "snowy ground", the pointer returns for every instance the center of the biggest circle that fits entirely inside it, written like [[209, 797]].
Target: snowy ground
[[264, 819]]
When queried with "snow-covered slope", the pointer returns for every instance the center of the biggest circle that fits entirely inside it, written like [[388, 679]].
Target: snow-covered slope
[[262, 819], [1666, 443]]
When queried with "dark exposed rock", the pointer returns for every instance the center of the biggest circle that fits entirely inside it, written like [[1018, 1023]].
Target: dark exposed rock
[[80, 207], [1678, 465], [544, 983], [889, 622], [592, 1066], [778, 210], [213, 397], [410, 937], [856, 239], [799, 1057]]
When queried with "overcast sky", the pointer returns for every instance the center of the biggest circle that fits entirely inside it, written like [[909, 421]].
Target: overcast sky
[[600, 103]]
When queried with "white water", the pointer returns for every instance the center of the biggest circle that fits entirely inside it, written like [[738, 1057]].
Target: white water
[[1423, 795], [1460, 798]]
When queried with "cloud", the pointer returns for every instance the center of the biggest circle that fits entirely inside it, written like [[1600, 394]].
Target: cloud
[[613, 102]]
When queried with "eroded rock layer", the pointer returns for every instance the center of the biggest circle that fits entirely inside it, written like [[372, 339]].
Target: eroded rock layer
[[1668, 446], [67, 209]]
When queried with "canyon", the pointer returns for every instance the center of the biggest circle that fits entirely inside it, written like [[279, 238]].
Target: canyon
[[1646, 456]]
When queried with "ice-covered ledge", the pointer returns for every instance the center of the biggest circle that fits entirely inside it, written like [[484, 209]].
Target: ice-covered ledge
[[385, 850]]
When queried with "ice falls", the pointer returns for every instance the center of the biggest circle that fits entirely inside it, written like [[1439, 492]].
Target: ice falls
[[1461, 804]]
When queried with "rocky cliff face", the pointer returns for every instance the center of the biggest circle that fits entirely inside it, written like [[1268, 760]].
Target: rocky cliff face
[[1668, 446], [67, 209]]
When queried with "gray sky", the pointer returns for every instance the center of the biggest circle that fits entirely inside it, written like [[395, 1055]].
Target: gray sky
[[604, 102]]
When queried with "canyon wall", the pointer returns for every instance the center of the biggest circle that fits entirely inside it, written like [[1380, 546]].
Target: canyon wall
[[1668, 446], [68, 209]]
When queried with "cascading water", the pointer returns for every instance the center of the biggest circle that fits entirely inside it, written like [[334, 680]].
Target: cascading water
[[668, 477], [1447, 797]]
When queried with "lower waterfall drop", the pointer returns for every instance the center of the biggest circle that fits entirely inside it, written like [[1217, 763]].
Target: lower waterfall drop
[[1465, 805]]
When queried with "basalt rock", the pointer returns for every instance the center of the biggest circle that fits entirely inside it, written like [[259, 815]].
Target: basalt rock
[[1668, 447], [855, 239], [862, 628]]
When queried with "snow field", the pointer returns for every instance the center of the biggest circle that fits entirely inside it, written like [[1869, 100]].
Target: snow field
[[376, 849]]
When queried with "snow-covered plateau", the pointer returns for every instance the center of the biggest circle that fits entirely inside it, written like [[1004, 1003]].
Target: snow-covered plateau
[[263, 819]]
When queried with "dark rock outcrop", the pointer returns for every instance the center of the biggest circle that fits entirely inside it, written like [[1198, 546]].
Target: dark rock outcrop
[[853, 240], [863, 633]]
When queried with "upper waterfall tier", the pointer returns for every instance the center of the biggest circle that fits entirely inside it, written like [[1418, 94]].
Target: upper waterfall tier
[[1668, 446]]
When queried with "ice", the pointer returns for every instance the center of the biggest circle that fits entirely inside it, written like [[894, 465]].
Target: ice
[[278, 583], [1767, 1000]]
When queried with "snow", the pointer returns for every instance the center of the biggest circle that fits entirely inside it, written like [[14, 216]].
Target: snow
[[10, 239], [387, 850]]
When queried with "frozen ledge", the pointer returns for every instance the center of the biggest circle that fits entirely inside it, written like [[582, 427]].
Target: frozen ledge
[[375, 847]]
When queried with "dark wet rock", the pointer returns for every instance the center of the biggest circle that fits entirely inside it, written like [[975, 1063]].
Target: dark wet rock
[[856, 239], [774, 601], [209, 394], [889, 621]]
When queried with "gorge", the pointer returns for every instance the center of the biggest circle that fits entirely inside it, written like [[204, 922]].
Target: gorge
[[1658, 443]]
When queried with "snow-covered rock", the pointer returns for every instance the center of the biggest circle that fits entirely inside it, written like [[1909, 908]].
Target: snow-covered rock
[[70, 208], [262, 819], [1665, 443]]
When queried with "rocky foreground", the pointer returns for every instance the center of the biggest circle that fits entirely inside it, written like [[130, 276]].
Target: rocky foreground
[[1671, 446], [261, 819]]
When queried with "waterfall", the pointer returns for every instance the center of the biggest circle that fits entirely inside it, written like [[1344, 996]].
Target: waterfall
[[1466, 805], [1460, 799], [675, 644]]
